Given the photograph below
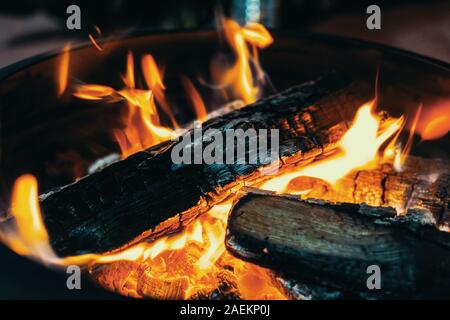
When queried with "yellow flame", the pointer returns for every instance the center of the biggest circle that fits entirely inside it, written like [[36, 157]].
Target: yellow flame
[[198, 251], [94, 42], [240, 76], [29, 236], [154, 82], [358, 148], [142, 129], [400, 156], [256, 34], [93, 92], [142, 124], [204, 239]]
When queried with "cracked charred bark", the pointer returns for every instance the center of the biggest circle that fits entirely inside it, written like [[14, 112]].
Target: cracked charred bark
[[146, 195], [331, 245], [422, 183]]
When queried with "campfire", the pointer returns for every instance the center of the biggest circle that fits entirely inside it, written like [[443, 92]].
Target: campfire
[[343, 193]]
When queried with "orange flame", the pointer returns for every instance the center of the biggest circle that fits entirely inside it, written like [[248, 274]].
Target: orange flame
[[256, 34], [128, 78], [358, 149], [400, 156], [94, 42], [142, 128], [26, 235], [93, 92], [240, 76], [431, 123], [154, 82], [25, 209], [435, 121], [195, 99], [198, 252], [202, 240], [63, 72]]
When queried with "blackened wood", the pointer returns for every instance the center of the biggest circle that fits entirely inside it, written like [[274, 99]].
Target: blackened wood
[[293, 289], [146, 195], [422, 183], [333, 244]]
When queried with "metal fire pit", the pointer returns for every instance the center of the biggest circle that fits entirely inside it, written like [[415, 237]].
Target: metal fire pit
[[57, 138]]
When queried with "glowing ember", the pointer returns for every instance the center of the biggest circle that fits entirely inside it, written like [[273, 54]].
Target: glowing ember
[[239, 77], [198, 252], [400, 157], [27, 234], [94, 42]]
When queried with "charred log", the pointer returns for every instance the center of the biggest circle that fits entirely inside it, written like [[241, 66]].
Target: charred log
[[135, 279], [293, 289], [146, 195], [422, 183], [332, 245]]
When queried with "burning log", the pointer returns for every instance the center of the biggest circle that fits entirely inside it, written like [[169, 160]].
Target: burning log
[[227, 289], [421, 183], [296, 290], [146, 195], [333, 244], [139, 280], [133, 279]]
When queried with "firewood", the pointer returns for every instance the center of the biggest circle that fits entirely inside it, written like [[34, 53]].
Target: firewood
[[134, 279], [119, 277], [146, 195], [227, 288], [422, 183], [105, 161], [171, 289], [296, 290], [333, 245]]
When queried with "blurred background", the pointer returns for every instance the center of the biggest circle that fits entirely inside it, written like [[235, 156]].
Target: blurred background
[[30, 27]]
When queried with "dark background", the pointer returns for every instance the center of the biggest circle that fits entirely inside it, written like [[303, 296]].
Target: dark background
[[32, 27]]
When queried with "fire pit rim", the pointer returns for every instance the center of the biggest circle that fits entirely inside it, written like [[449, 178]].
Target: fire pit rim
[[15, 67]]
